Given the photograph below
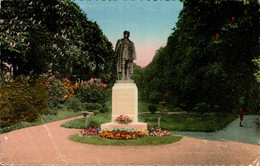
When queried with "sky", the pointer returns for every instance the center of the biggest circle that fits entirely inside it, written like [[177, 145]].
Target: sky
[[150, 22]]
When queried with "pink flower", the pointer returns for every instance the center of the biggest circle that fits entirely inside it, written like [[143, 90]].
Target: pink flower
[[2, 21], [22, 40], [7, 31], [21, 22], [16, 18], [39, 22], [11, 22], [18, 34]]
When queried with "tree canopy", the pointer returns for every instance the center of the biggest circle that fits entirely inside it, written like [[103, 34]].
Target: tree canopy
[[53, 35], [208, 57]]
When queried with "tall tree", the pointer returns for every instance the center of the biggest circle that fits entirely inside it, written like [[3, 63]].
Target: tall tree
[[208, 57], [41, 35]]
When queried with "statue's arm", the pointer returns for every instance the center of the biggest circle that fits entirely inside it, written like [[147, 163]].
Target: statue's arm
[[117, 46], [134, 53]]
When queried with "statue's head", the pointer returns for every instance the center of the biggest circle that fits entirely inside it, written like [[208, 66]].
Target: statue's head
[[126, 34]]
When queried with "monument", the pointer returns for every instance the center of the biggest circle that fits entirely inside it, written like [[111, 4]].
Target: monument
[[124, 92]]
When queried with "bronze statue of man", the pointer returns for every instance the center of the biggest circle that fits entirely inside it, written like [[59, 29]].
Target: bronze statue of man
[[125, 52]]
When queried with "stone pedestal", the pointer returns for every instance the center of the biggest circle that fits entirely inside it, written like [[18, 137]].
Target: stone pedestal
[[124, 102]]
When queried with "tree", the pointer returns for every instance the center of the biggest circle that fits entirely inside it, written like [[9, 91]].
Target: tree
[[208, 57], [53, 35]]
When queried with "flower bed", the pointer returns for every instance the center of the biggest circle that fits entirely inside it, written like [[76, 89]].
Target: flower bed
[[157, 132], [90, 131], [122, 134], [123, 119]]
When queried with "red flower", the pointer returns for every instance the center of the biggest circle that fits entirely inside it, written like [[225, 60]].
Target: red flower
[[233, 18], [217, 35]]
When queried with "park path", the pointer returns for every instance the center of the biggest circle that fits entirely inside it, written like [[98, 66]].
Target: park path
[[48, 144]]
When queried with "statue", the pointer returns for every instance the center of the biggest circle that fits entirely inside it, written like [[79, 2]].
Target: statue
[[125, 52]]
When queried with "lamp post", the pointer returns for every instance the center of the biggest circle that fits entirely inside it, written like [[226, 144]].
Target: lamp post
[[85, 114]]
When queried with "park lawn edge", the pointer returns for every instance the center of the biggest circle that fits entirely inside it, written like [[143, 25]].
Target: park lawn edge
[[146, 141]]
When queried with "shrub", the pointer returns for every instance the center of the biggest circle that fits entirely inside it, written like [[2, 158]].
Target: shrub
[[92, 106], [155, 97], [96, 112], [201, 107], [92, 91], [73, 103], [22, 99], [177, 109], [103, 110], [152, 108]]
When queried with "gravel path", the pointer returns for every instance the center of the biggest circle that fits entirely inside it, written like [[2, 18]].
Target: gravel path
[[48, 144]]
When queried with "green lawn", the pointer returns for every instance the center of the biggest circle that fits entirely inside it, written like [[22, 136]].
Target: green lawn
[[45, 119], [148, 140], [96, 120], [188, 122], [170, 122]]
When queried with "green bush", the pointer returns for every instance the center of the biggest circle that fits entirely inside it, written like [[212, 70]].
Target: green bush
[[152, 108], [103, 110], [22, 99], [73, 103], [92, 91], [177, 109], [92, 106], [155, 97], [201, 107], [96, 112]]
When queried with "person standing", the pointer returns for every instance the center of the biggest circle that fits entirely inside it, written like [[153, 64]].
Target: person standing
[[241, 114]]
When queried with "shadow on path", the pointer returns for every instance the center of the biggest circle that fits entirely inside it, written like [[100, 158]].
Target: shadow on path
[[232, 132]]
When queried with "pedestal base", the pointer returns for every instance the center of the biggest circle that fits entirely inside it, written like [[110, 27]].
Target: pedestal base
[[125, 101], [131, 126]]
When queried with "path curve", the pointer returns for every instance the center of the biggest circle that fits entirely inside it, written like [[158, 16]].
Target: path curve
[[48, 144]]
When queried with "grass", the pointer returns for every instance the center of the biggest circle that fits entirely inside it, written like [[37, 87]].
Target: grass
[[96, 120], [188, 122], [170, 122], [145, 141], [45, 119]]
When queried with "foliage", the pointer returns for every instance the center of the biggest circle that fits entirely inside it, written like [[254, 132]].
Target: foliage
[[73, 103], [257, 74], [92, 91], [103, 110], [22, 99], [92, 106], [152, 108], [122, 134], [37, 36], [208, 57], [96, 112], [123, 119], [145, 141], [202, 107], [57, 91]]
